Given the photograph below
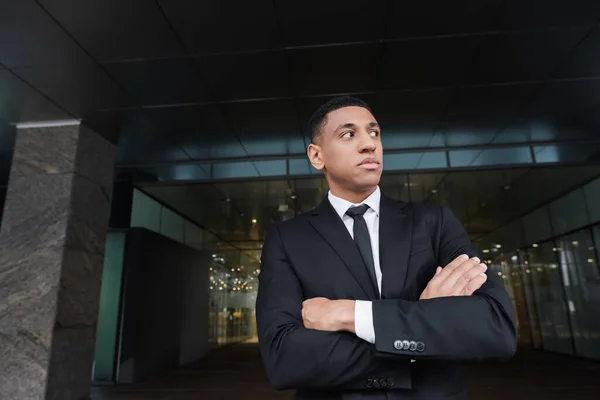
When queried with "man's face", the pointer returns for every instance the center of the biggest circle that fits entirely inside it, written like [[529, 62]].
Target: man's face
[[349, 149]]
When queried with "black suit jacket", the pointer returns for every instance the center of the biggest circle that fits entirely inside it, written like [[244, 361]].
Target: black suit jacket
[[313, 255]]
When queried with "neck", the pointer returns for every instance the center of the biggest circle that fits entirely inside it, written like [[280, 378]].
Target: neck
[[352, 196]]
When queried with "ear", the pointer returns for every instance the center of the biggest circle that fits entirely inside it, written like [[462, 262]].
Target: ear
[[315, 156]]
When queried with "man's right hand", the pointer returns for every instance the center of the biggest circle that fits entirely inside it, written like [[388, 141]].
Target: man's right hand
[[461, 277]]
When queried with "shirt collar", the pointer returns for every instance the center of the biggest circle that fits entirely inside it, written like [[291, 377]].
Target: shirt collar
[[341, 206]]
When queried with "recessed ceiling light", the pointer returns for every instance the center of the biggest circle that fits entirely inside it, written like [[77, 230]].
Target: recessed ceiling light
[[254, 220]]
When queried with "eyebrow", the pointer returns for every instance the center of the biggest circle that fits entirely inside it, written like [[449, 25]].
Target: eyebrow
[[351, 125]]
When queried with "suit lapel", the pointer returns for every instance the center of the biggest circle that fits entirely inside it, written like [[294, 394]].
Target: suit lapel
[[329, 225], [395, 234]]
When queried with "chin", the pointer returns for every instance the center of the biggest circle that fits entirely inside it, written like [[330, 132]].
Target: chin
[[367, 183]]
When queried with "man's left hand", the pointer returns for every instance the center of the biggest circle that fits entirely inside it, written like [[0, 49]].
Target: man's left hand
[[328, 315]]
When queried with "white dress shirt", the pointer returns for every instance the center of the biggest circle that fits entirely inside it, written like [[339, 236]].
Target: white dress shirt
[[363, 312]]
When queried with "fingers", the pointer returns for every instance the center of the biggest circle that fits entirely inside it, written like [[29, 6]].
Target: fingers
[[456, 263], [471, 273], [457, 274], [474, 284]]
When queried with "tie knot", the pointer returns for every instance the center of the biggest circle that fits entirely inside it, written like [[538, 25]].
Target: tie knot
[[358, 210]]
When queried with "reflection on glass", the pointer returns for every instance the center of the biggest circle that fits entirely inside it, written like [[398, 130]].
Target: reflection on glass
[[534, 319], [232, 295], [549, 295], [555, 289], [579, 265], [507, 267]]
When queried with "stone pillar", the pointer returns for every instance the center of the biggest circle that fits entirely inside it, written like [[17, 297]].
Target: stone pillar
[[51, 258]]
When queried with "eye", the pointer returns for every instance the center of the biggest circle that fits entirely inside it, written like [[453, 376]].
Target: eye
[[347, 134], [374, 133]]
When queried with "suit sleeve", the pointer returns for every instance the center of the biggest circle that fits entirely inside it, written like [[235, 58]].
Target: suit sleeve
[[476, 327], [299, 358]]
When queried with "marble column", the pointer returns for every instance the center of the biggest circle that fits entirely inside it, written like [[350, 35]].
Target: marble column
[[51, 257]]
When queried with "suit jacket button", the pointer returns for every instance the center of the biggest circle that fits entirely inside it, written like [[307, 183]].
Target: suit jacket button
[[420, 346], [369, 383], [398, 345], [391, 382], [405, 344], [413, 345]]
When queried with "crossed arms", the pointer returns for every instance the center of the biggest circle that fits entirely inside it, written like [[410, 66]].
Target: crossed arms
[[461, 315]]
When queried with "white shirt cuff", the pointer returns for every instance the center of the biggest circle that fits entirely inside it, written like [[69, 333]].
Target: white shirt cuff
[[363, 320]]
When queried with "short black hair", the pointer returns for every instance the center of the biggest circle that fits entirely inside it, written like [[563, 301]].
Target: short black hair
[[319, 117]]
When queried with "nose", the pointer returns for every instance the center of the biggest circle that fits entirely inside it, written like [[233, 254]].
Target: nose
[[367, 144]]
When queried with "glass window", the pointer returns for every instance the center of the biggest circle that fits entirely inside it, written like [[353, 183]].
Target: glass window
[[534, 320], [550, 298], [232, 295], [508, 268], [581, 278]]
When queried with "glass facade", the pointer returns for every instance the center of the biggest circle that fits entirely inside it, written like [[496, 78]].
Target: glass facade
[[555, 287], [548, 261], [233, 287], [232, 291]]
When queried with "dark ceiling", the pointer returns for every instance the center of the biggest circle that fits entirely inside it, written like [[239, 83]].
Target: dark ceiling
[[216, 89], [180, 80]]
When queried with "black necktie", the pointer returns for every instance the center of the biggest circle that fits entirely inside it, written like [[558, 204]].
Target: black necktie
[[363, 239]]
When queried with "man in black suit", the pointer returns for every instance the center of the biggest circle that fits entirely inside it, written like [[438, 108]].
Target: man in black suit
[[353, 302]]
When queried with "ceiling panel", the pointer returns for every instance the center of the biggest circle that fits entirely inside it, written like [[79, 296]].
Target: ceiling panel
[[332, 21], [523, 56], [267, 128], [517, 14], [20, 102], [248, 75], [426, 63], [409, 119], [476, 115], [430, 17], [78, 87], [161, 81], [30, 37], [436, 73], [485, 103], [116, 30], [142, 140], [564, 99], [223, 25], [585, 60], [333, 70], [397, 108], [204, 132]]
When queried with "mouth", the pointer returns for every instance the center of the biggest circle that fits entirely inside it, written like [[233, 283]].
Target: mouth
[[370, 163]]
